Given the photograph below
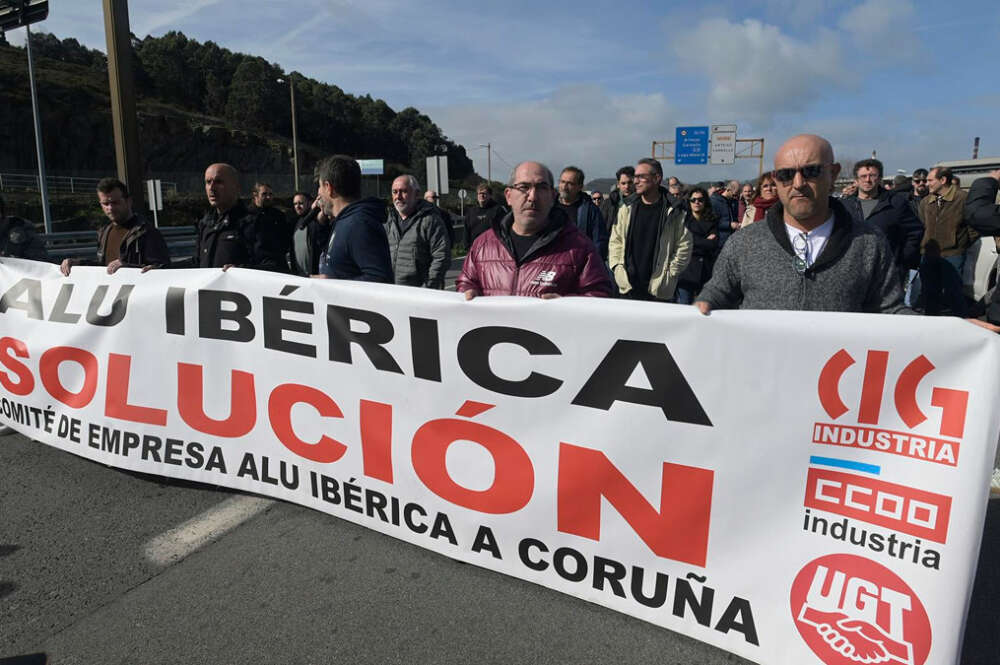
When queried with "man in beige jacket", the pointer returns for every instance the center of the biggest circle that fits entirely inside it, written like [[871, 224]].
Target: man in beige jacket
[[649, 246]]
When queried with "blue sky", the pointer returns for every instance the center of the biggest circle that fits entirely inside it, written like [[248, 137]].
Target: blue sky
[[594, 83]]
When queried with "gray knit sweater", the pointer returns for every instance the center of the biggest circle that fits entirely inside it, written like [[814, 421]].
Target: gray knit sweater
[[855, 272]]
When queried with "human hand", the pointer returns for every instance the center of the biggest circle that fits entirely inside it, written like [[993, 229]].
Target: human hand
[[550, 296], [703, 307], [114, 266], [472, 293], [66, 266]]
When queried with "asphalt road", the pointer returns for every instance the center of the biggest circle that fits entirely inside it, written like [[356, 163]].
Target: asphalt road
[[289, 585], [79, 582]]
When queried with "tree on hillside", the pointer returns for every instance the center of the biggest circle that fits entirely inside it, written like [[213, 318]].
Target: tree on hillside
[[254, 96]]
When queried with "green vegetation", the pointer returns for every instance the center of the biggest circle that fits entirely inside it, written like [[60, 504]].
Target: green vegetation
[[184, 85]]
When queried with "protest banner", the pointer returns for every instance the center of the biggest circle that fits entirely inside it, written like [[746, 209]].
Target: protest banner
[[790, 487]]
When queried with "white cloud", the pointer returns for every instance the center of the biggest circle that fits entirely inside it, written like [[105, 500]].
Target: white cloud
[[755, 71], [884, 27], [581, 125]]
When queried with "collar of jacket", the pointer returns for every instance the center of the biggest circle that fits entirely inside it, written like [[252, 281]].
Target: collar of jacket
[[238, 211], [883, 200], [949, 192], [840, 237], [557, 220], [664, 195]]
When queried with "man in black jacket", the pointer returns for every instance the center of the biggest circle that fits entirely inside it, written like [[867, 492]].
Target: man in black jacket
[[228, 234], [888, 211], [481, 218], [274, 230], [982, 213], [625, 187], [127, 241], [18, 238]]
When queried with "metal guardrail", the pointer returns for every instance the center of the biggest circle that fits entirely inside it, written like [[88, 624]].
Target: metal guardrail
[[83, 244], [58, 184]]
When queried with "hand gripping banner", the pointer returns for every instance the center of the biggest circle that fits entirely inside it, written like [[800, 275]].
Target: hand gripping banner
[[790, 487]]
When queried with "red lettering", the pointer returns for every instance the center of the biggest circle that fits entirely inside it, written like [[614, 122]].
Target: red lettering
[[376, 439], [48, 368], [191, 403], [873, 386], [897, 507], [513, 479], [279, 409], [25, 381], [116, 398], [679, 531]]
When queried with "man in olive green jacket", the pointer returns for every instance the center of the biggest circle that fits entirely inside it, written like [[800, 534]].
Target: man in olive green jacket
[[649, 247]]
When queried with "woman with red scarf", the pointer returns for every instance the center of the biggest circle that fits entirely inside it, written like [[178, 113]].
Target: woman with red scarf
[[768, 197]]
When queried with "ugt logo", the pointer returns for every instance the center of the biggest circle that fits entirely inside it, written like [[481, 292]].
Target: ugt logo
[[851, 610], [953, 403]]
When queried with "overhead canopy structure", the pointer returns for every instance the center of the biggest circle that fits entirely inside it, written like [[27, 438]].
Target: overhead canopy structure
[[19, 13]]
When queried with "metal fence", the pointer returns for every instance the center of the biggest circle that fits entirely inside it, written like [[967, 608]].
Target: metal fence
[[58, 184], [176, 182]]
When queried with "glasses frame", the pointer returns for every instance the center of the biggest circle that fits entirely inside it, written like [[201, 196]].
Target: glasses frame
[[809, 172]]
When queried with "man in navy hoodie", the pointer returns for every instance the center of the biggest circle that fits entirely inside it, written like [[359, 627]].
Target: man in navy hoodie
[[358, 246]]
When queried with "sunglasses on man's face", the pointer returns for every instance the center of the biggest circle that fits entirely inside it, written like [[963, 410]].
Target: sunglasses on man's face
[[809, 172]]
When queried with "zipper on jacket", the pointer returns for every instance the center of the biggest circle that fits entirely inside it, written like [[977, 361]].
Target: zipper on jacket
[[517, 273]]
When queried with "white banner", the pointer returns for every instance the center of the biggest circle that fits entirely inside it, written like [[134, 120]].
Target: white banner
[[790, 487]]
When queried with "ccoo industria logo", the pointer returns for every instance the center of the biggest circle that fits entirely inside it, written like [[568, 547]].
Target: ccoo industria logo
[[877, 427], [851, 610]]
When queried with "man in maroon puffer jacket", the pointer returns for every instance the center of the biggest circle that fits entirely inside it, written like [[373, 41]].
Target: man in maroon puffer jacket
[[534, 250]]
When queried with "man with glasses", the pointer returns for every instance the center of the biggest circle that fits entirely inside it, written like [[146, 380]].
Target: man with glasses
[[649, 247], [624, 188], [809, 254], [889, 211], [597, 198], [535, 250]]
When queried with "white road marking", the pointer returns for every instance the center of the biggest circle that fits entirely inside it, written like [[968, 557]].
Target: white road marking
[[181, 541]]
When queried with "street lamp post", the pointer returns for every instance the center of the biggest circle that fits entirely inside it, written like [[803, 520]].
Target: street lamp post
[[42, 185], [295, 137], [489, 161]]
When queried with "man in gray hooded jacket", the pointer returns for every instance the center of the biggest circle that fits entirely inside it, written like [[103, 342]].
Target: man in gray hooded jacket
[[419, 242]]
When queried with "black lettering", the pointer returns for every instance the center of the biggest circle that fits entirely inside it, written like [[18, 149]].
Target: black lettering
[[524, 549], [151, 447], [32, 289], [559, 563], [669, 390], [275, 325], [380, 333], [118, 306], [172, 452], [426, 349], [739, 608], [485, 540], [474, 359], [59, 313], [175, 310], [211, 315]]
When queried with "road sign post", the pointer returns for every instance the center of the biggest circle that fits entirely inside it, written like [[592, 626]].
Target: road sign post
[[692, 145], [437, 173], [723, 144], [154, 194], [461, 201]]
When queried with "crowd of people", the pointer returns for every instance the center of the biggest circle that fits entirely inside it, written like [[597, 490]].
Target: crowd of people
[[789, 241]]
